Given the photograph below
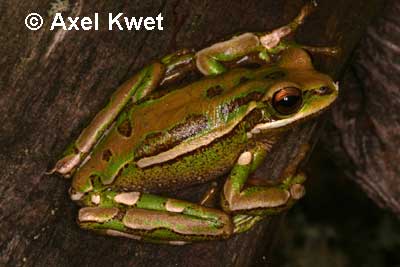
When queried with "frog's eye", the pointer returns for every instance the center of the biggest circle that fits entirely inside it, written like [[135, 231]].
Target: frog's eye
[[287, 100]]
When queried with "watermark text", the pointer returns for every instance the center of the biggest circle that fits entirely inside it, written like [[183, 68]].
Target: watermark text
[[115, 22]]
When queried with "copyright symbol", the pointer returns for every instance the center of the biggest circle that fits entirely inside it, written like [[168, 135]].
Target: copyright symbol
[[33, 21]]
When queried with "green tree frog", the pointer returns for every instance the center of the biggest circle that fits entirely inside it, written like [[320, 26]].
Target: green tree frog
[[189, 118]]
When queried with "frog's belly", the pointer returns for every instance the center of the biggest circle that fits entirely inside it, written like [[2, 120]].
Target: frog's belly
[[201, 165]]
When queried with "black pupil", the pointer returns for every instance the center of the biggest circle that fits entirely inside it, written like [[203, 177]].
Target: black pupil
[[287, 101]]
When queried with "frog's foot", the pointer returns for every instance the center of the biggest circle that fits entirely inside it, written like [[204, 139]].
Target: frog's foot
[[274, 42], [263, 200], [250, 203], [152, 218], [273, 39], [242, 48], [210, 195], [243, 222]]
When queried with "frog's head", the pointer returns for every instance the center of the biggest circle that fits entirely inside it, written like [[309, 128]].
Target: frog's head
[[302, 94]]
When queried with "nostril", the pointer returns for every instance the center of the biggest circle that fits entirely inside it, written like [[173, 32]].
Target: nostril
[[324, 90]]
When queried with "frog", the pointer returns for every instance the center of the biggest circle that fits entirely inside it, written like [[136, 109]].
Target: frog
[[190, 118]]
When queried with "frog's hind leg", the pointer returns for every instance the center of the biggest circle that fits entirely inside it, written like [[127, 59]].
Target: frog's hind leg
[[274, 42], [250, 203], [209, 61], [133, 90], [254, 47], [153, 218]]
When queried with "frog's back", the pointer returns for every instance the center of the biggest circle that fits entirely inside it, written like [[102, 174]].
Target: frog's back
[[177, 138]]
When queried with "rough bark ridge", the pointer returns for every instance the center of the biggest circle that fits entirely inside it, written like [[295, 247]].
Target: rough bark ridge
[[366, 123], [53, 82]]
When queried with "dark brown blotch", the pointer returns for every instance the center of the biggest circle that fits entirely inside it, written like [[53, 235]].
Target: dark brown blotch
[[107, 154], [125, 128], [275, 75], [237, 103], [214, 91], [243, 80]]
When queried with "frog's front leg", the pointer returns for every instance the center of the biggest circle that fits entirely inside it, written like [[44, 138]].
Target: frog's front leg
[[249, 204], [152, 218]]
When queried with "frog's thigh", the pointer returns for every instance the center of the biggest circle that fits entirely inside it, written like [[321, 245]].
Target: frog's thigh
[[136, 88], [238, 199], [155, 218]]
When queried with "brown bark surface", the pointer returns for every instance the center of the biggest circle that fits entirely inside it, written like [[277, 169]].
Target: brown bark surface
[[53, 82], [364, 133]]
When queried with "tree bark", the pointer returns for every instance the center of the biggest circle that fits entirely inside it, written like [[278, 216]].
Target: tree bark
[[53, 82], [364, 136]]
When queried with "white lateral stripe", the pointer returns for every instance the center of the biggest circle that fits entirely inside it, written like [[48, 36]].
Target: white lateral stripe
[[191, 145]]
